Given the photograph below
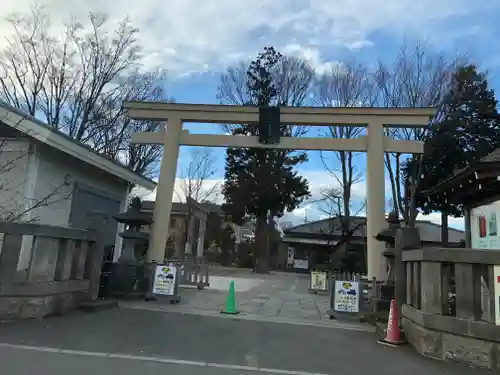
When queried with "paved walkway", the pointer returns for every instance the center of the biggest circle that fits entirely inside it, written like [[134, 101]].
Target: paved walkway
[[274, 297]]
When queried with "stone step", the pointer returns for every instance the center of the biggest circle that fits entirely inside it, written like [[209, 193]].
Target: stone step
[[97, 305]]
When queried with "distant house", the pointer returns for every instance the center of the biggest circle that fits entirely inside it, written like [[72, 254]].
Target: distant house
[[178, 224], [311, 243], [200, 215], [55, 180]]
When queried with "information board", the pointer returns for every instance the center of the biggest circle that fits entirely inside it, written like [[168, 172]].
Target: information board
[[319, 280], [164, 282], [346, 296], [484, 226]]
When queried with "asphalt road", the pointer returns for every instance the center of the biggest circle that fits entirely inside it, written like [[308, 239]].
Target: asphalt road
[[125, 342]]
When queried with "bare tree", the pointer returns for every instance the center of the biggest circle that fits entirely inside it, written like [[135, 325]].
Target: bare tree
[[76, 82], [112, 128], [285, 224], [332, 204], [348, 85], [197, 185], [417, 77], [292, 79]]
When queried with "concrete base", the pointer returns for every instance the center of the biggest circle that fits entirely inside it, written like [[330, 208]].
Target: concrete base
[[26, 307], [453, 347]]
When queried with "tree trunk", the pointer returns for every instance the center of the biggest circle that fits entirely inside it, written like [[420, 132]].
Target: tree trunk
[[261, 245], [393, 183], [444, 228]]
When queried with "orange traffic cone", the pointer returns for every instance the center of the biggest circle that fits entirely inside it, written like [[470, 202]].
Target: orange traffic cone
[[393, 334]]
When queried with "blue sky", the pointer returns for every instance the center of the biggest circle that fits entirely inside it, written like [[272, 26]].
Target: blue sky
[[472, 33], [196, 40]]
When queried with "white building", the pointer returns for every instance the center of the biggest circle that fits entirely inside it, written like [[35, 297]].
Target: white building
[[66, 182]]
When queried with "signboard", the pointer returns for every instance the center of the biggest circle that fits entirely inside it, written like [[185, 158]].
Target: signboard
[[496, 290], [164, 282], [319, 280], [346, 296], [484, 226]]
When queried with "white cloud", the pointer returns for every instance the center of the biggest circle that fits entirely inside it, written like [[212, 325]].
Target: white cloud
[[209, 190], [192, 35], [435, 217], [312, 56]]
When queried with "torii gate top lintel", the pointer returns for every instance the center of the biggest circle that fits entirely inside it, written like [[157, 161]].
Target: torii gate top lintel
[[374, 143], [314, 116]]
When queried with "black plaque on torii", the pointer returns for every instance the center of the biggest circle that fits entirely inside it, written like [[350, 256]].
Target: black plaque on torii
[[269, 125]]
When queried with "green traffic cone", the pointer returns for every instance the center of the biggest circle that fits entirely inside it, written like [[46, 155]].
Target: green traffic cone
[[230, 307]]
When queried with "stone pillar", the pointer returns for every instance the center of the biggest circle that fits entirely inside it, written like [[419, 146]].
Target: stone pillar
[[406, 239], [165, 191], [201, 236], [190, 235], [375, 200]]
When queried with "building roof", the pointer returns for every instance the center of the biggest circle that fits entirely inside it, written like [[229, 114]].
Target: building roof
[[42, 132], [177, 207], [429, 231], [474, 183]]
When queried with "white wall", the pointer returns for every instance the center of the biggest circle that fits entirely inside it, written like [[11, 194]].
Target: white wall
[[45, 177], [33, 174], [57, 176], [14, 162]]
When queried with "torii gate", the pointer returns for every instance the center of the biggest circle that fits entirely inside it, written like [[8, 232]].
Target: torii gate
[[374, 143]]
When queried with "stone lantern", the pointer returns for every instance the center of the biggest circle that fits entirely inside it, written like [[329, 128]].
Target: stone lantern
[[388, 236], [129, 277]]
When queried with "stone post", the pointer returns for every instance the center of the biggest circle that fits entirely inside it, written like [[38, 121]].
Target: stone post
[[406, 239], [201, 236]]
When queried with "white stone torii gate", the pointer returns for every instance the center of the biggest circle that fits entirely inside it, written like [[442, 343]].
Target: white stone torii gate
[[374, 144]]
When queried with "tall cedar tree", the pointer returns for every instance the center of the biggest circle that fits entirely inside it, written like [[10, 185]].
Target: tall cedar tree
[[466, 129], [262, 183]]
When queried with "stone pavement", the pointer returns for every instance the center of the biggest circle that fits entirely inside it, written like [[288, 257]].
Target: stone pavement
[[125, 341], [273, 297]]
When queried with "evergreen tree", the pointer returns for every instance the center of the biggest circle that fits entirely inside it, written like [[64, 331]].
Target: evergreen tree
[[466, 129], [262, 183]]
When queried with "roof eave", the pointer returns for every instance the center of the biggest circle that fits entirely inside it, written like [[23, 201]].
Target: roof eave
[[36, 129]]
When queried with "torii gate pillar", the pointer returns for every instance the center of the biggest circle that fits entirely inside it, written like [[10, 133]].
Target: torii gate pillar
[[375, 200], [164, 191]]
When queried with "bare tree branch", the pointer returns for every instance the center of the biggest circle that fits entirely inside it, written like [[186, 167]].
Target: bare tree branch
[[285, 224], [292, 78], [417, 77], [195, 177], [196, 186], [345, 86], [77, 81]]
